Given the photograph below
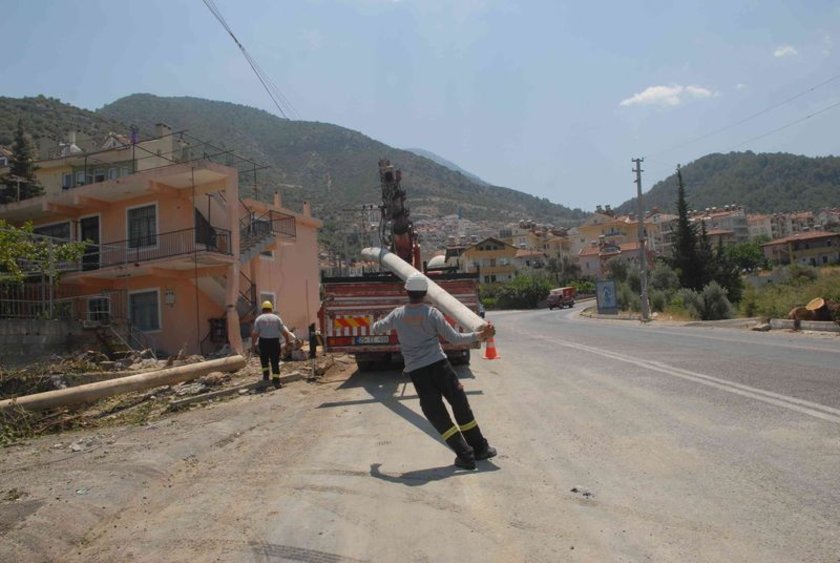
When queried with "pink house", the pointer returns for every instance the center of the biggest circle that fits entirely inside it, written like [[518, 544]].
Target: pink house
[[177, 260]]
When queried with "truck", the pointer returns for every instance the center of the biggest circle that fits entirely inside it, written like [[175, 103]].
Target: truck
[[561, 297], [351, 304]]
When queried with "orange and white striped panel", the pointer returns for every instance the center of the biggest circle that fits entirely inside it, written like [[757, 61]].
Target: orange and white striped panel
[[346, 325]]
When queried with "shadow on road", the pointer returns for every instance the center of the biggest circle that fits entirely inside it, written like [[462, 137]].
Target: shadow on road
[[389, 387], [422, 476]]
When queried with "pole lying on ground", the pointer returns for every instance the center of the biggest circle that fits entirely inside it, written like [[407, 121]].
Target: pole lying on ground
[[436, 294], [138, 382]]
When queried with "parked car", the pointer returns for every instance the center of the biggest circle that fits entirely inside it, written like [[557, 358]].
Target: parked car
[[561, 297]]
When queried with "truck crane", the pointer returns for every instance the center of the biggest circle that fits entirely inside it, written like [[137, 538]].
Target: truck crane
[[351, 304]]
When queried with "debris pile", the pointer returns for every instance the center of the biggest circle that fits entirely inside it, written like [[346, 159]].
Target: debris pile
[[136, 407]]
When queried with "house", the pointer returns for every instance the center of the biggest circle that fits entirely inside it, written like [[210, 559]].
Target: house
[[493, 259], [594, 259], [759, 225], [529, 259], [816, 248], [731, 218], [177, 260]]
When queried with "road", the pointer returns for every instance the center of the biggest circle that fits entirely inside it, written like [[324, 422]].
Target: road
[[618, 442]]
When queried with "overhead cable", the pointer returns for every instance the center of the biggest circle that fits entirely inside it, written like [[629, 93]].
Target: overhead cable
[[284, 106]]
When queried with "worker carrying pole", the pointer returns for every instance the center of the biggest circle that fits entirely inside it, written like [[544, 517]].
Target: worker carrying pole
[[419, 327]]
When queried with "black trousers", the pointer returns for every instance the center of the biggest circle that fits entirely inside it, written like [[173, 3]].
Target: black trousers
[[439, 381], [270, 353]]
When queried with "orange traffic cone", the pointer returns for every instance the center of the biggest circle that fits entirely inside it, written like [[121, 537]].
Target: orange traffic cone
[[490, 352]]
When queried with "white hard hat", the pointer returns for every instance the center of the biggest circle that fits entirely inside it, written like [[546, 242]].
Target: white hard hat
[[416, 282]]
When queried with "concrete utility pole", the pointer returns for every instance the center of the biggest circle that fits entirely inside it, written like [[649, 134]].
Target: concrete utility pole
[[640, 211]]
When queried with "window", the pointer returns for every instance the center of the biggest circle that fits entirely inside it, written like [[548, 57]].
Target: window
[[142, 226], [57, 230], [113, 173], [4, 161], [143, 310], [99, 175], [267, 254], [67, 180], [99, 309], [80, 178]]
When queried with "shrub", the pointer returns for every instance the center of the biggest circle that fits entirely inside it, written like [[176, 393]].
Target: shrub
[[664, 277], [714, 304], [628, 300], [658, 300]]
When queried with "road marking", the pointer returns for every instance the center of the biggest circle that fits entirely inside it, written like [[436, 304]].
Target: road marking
[[791, 403]]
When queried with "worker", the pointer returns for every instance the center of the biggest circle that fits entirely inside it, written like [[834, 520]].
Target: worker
[[268, 327], [418, 327]]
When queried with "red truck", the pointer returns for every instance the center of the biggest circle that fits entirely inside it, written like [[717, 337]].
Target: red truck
[[561, 297], [351, 304]]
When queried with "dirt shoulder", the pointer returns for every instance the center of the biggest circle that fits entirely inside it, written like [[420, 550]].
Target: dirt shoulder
[[60, 492]]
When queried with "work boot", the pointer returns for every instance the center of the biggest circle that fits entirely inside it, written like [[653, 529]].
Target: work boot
[[488, 452], [277, 385], [464, 463]]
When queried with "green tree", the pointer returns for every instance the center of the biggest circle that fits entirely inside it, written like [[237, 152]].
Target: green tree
[[747, 256], [19, 245], [684, 257], [21, 183]]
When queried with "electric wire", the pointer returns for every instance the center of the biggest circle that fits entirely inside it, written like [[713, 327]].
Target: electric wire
[[748, 118], [274, 92]]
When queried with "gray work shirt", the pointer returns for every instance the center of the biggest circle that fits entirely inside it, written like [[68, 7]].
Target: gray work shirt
[[418, 327], [269, 325]]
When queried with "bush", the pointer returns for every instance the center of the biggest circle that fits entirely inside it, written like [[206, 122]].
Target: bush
[[658, 300], [628, 300], [664, 277], [714, 304], [798, 274], [524, 292]]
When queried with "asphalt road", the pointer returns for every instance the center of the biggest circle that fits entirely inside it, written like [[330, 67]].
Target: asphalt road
[[617, 441]]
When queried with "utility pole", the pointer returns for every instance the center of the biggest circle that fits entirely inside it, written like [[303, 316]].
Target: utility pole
[[640, 211]]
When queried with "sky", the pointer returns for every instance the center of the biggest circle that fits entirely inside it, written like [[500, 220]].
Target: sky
[[549, 97]]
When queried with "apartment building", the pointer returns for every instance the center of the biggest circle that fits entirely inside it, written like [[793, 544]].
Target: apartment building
[[817, 248], [177, 260], [493, 259]]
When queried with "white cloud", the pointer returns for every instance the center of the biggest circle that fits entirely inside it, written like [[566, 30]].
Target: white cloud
[[741, 86], [668, 96], [785, 51]]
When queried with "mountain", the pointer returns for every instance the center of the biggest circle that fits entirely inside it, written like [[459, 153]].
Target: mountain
[[451, 165], [762, 183], [333, 167]]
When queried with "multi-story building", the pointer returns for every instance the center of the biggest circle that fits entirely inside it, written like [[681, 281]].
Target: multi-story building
[[175, 256], [759, 225], [730, 218], [816, 248], [492, 258]]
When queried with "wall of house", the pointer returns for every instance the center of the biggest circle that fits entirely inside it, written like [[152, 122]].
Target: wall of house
[[292, 276], [182, 325]]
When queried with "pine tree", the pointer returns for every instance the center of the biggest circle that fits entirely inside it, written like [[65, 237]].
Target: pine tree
[[21, 183], [684, 257]]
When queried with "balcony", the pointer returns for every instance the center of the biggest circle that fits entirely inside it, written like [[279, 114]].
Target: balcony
[[182, 248]]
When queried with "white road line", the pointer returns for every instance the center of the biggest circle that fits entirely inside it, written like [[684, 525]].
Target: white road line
[[791, 403]]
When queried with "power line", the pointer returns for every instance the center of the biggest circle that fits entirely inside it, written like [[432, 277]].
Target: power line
[[270, 86], [748, 118], [791, 124]]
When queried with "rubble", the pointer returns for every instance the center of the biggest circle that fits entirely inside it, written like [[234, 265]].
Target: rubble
[[137, 407]]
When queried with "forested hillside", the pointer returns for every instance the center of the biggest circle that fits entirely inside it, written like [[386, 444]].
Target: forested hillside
[[332, 167], [763, 183], [335, 167]]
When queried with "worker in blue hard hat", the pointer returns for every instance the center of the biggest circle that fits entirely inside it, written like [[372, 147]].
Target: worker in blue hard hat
[[268, 328], [418, 327]]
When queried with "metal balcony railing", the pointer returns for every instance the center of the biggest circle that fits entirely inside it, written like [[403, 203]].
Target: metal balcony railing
[[156, 246]]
